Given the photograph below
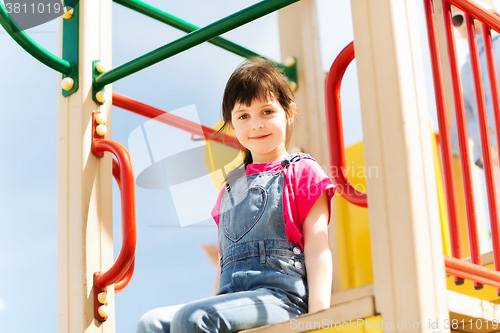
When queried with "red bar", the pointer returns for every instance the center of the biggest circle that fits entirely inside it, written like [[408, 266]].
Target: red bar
[[125, 279], [476, 273], [460, 118], [478, 12], [145, 110], [334, 128], [116, 173], [492, 74], [129, 234], [485, 138], [444, 137]]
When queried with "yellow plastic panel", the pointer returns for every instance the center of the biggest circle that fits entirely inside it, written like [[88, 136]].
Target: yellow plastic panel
[[220, 159], [462, 214], [443, 212], [353, 230]]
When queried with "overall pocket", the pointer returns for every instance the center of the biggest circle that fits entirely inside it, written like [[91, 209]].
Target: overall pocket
[[288, 265], [242, 211]]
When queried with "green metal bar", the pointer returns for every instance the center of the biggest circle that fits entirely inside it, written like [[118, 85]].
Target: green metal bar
[[182, 25], [32, 47], [190, 40]]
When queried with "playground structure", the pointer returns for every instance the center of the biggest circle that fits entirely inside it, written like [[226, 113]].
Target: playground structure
[[405, 280]]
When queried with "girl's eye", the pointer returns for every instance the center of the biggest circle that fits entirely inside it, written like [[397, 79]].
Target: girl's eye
[[243, 116], [268, 112]]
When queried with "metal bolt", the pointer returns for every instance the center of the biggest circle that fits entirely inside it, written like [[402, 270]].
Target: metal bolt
[[67, 83], [68, 12], [100, 96], [289, 61], [100, 67]]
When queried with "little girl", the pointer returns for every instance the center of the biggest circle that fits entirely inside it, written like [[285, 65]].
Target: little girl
[[272, 219]]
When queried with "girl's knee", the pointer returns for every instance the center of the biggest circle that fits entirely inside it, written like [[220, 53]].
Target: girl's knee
[[150, 323], [157, 320], [191, 319]]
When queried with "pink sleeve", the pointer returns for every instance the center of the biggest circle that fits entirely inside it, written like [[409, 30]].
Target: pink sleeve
[[215, 210], [310, 181]]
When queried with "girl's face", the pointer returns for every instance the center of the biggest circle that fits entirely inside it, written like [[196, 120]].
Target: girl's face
[[261, 128]]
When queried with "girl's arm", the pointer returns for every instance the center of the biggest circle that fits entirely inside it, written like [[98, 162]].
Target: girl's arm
[[318, 257], [217, 278]]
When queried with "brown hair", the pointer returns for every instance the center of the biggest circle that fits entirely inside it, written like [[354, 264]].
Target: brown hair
[[257, 78]]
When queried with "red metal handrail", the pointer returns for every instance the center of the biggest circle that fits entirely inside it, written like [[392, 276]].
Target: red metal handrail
[[473, 270], [478, 12], [461, 128], [334, 128], [446, 156], [149, 111], [126, 256], [125, 279], [459, 268], [492, 75], [485, 138]]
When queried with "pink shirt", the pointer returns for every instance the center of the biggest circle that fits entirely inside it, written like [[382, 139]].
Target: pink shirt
[[304, 183]]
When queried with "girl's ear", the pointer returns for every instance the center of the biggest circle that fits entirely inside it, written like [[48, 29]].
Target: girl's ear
[[293, 107]]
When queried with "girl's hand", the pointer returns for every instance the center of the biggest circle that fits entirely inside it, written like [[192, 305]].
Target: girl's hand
[[318, 257]]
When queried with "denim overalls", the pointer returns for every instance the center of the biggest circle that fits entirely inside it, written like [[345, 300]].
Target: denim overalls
[[263, 276]]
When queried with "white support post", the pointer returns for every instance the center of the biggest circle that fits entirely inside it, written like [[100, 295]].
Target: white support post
[[299, 38], [84, 194], [408, 265]]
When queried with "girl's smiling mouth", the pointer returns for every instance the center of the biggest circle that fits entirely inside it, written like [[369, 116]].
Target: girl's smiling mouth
[[260, 137]]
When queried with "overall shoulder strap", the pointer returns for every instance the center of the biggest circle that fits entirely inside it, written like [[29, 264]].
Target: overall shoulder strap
[[294, 158]]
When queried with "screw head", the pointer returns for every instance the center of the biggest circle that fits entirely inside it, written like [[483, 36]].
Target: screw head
[[100, 67], [101, 129], [68, 12], [100, 96], [289, 61], [67, 83], [103, 310], [102, 297], [100, 118]]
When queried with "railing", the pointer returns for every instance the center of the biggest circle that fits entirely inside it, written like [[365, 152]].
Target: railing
[[125, 279], [30, 46], [192, 39], [121, 271], [334, 128], [151, 112], [454, 265], [195, 36], [182, 25]]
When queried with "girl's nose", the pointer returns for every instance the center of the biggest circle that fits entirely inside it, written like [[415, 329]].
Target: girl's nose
[[257, 125]]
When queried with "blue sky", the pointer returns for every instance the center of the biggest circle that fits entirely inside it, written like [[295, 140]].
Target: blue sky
[[171, 267]]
